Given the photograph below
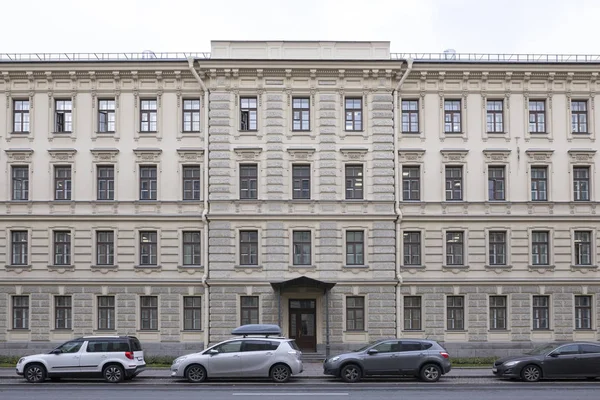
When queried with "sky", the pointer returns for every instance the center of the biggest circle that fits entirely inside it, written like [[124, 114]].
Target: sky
[[467, 26]]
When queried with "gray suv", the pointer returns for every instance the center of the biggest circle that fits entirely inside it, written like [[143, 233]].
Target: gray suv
[[424, 359]]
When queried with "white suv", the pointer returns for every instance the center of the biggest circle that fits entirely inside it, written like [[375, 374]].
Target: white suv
[[260, 352], [113, 358]]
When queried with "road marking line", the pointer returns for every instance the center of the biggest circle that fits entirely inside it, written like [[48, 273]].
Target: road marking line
[[290, 394]]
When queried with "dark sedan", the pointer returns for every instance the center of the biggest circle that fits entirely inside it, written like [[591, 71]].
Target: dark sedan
[[553, 360]]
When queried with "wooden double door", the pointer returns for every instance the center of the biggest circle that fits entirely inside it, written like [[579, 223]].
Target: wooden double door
[[303, 320]]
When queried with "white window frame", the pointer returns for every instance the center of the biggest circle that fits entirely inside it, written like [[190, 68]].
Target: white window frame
[[410, 158], [19, 96], [452, 158], [540, 158], [505, 98], [547, 98], [259, 255], [593, 314], [53, 97], [593, 247], [583, 158], [464, 116], [508, 232], [465, 231], [288, 111], [18, 158], [180, 232], [51, 231], [304, 228], [551, 247], [421, 111], [139, 313], [497, 158], [104, 228], [508, 313], [591, 119], [96, 98], [421, 245], [367, 243], [181, 97], [550, 313], [238, 302], [138, 249], [465, 313], [96, 315], [259, 132], [365, 296], [8, 247], [138, 97]]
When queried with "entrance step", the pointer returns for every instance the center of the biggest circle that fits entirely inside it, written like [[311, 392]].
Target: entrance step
[[313, 357]]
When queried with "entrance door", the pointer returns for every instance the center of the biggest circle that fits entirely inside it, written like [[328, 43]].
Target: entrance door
[[302, 324]]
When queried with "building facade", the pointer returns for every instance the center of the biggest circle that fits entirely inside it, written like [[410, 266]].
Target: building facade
[[334, 188]]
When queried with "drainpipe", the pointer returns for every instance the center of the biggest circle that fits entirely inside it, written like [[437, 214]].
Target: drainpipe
[[205, 194], [398, 182]]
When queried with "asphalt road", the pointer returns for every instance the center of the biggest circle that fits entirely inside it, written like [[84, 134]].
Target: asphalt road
[[481, 389]]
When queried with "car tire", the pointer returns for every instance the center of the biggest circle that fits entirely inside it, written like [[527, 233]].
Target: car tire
[[531, 373], [351, 373], [35, 373], [280, 373], [113, 373], [195, 373], [430, 373]]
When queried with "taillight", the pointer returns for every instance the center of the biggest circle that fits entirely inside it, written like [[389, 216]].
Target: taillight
[[129, 355], [444, 354]]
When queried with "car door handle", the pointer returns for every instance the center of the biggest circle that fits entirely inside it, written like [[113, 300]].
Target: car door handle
[[269, 354], [237, 356]]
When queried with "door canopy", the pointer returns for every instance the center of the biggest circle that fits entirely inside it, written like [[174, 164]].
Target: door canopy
[[302, 282]]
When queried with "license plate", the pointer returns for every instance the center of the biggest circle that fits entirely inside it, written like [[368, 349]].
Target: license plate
[[494, 370]]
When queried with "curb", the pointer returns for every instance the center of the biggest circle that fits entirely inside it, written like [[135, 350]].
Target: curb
[[296, 378]]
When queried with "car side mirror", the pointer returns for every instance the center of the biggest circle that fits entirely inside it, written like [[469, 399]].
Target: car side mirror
[[212, 352], [56, 351], [554, 355], [372, 351]]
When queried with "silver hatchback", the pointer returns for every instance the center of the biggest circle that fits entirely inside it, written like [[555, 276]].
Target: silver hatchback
[[260, 352]]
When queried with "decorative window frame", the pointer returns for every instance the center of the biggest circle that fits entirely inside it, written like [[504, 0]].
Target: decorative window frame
[[591, 118], [466, 313], [238, 303], [505, 98], [550, 313], [8, 247], [95, 313], [422, 231], [508, 313], [365, 296], [412, 157], [301, 155], [138, 98], [138, 313], [95, 119], [249, 155], [180, 232], [367, 244], [190, 157], [497, 158], [260, 254], [15, 158], [547, 98], [57, 96], [508, 231], [101, 228], [354, 93], [182, 298], [288, 111], [551, 241], [462, 97], [593, 248], [582, 158], [138, 250], [313, 264], [420, 99], [454, 157], [51, 265], [238, 94], [52, 313], [540, 158], [593, 313], [179, 129], [147, 157], [62, 157], [104, 157], [11, 97], [355, 156], [465, 264]]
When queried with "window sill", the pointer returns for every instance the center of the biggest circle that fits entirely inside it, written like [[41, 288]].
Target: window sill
[[498, 266], [64, 133], [17, 134], [457, 267], [190, 133], [18, 266], [191, 330], [107, 266], [143, 266], [19, 330], [410, 133], [107, 133], [61, 268], [147, 132], [61, 330], [19, 201], [302, 268], [583, 268], [248, 268], [409, 266], [355, 268]]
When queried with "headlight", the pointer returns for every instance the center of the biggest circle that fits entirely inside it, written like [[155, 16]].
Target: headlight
[[334, 359], [179, 359], [510, 363], [21, 360]]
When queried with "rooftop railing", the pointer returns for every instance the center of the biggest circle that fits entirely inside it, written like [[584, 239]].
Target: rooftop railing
[[498, 58], [66, 57]]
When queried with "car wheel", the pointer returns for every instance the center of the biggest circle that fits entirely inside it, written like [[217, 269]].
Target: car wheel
[[280, 373], [531, 373], [351, 373], [113, 373], [35, 373], [430, 373], [195, 373]]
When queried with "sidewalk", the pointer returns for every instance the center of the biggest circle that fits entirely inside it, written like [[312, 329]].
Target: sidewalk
[[311, 371]]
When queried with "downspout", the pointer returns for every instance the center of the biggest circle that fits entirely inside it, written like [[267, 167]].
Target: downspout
[[398, 183], [205, 193]]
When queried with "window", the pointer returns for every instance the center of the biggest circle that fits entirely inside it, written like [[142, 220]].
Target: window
[[191, 182], [20, 116], [583, 312], [540, 243], [539, 183], [355, 313], [192, 312], [191, 248], [301, 181], [106, 312], [62, 312], [63, 117], [301, 114], [410, 116], [248, 114], [452, 123], [20, 182], [105, 248], [495, 116], [579, 123], [355, 248], [191, 115], [148, 248], [148, 115], [537, 116], [412, 313], [541, 312], [581, 183], [496, 183], [248, 310], [149, 313], [106, 115], [20, 312], [148, 182], [353, 110], [583, 248], [412, 248], [454, 183], [497, 247], [248, 181], [302, 247], [62, 248], [19, 251], [354, 182], [62, 183], [248, 247], [455, 248], [455, 313], [497, 312], [411, 183], [106, 182]]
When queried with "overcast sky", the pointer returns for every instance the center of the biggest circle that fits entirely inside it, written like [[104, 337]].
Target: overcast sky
[[484, 26]]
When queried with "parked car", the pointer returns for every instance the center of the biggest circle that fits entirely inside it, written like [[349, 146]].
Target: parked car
[[113, 358], [425, 359], [259, 352], [552, 360]]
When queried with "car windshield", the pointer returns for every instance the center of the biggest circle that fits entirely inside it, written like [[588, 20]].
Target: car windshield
[[543, 349]]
